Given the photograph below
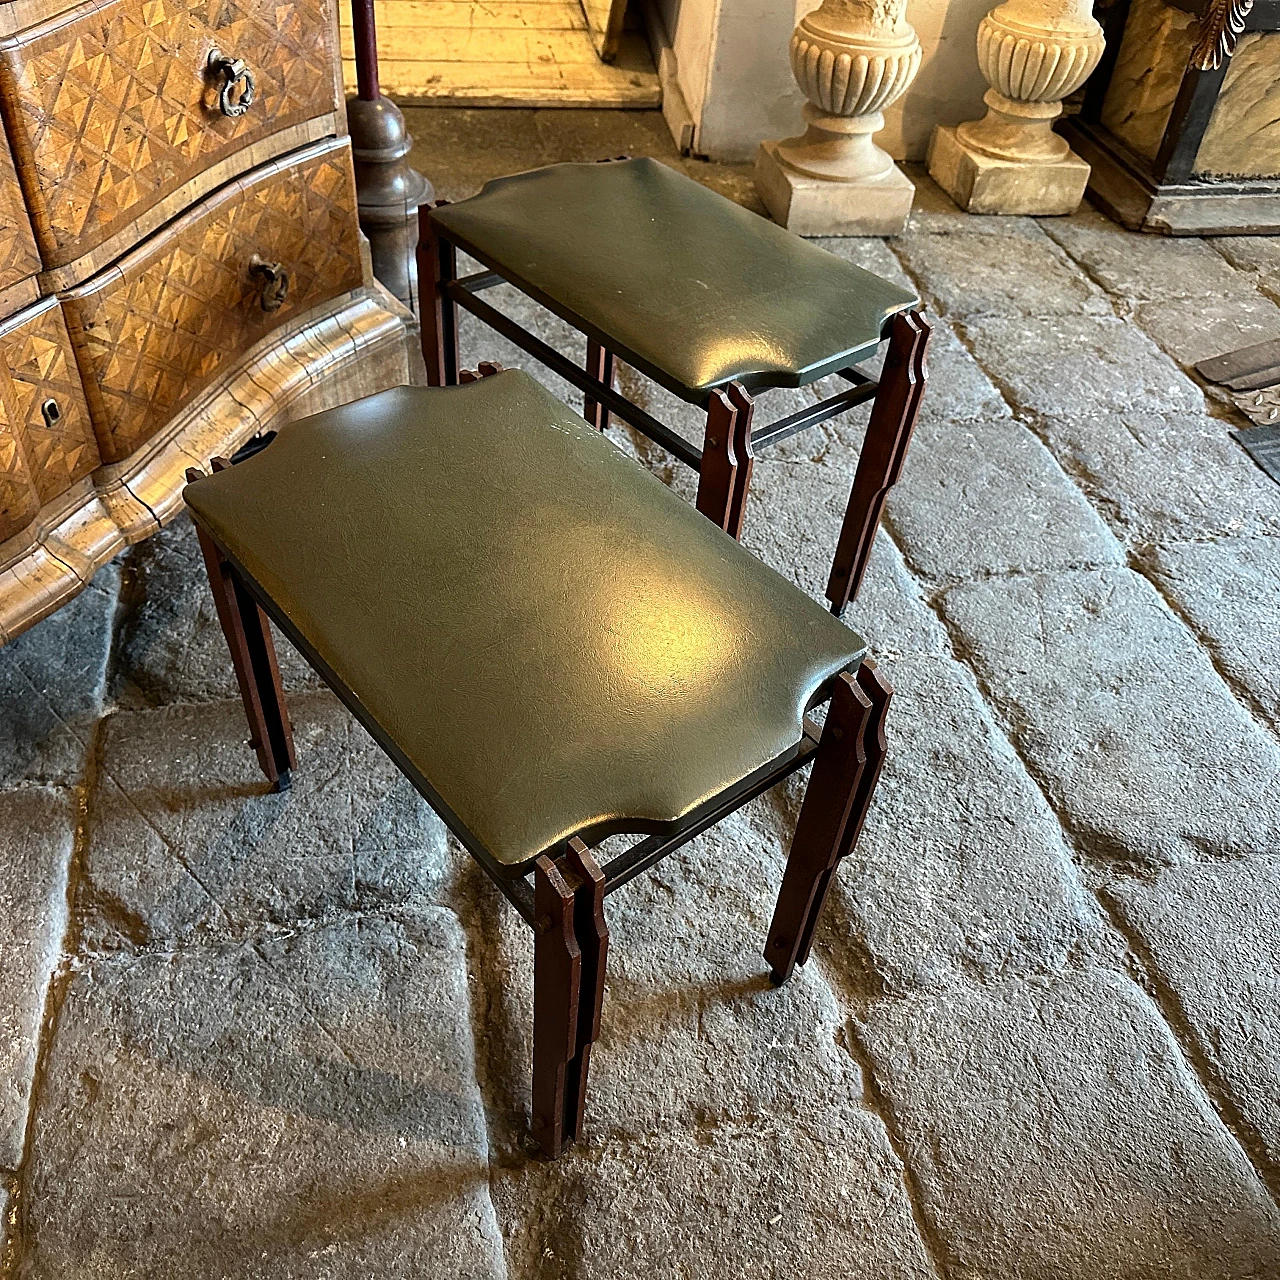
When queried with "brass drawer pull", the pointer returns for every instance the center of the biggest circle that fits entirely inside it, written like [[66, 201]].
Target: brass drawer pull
[[274, 277], [235, 71]]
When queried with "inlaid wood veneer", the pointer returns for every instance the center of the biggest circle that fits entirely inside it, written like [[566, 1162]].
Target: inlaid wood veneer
[[46, 440], [113, 106], [152, 331], [19, 257]]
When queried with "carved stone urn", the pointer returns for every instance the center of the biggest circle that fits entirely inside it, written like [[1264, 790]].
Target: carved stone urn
[[851, 58], [1033, 53]]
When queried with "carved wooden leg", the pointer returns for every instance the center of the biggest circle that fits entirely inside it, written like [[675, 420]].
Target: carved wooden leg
[[593, 942], [600, 365], [744, 456], [557, 975], [834, 806], [878, 689], [718, 479], [253, 656], [893, 418], [437, 265]]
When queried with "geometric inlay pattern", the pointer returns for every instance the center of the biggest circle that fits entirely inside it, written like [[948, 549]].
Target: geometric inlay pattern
[[45, 455], [19, 257], [41, 364], [172, 315], [19, 502], [112, 111]]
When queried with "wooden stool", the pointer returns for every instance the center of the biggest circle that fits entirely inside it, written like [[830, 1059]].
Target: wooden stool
[[702, 296], [554, 649]]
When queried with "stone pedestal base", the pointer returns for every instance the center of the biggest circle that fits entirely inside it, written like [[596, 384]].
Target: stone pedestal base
[[982, 184], [816, 207]]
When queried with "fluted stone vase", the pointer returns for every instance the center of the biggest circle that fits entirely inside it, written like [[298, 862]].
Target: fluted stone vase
[[851, 58], [1033, 53]]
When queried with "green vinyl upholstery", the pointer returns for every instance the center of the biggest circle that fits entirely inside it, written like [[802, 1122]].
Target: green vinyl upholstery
[[548, 639], [689, 287]]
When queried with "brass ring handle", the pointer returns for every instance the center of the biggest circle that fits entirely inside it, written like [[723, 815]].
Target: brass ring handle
[[274, 278], [234, 71]]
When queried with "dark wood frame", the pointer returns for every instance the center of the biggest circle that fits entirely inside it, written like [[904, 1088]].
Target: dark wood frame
[[1129, 186], [561, 892], [724, 460]]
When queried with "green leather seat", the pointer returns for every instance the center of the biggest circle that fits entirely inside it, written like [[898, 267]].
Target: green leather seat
[[689, 287], [545, 637]]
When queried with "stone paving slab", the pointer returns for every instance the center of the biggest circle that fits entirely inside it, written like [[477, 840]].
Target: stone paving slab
[[302, 1105], [37, 833], [793, 524], [1257, 255], [986, 497], [52, 682], [1165, 478], [1055, 1130], [723, 1114], [171, 647], [184, 836], [1000, 275], [1145, 268], [1213, 934], [1228, 592], [959, 390], [961, 871], [935, 211], [1134, 737], [753, 1201], [1212, 327], [1080, 365], [870, 254]]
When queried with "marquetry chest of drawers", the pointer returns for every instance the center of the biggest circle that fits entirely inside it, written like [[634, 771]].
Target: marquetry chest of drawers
[[180, 264]]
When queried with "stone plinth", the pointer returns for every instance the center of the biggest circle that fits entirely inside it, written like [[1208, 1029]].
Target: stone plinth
[[817, 207], [984, 184]]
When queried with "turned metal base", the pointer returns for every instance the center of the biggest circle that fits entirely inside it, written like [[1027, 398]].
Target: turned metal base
[[388, 193]]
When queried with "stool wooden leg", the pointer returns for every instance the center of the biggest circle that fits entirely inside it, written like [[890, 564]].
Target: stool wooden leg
[[593, 942], [878, 689], [884, 450], [743, 455], [437, 265], [844, 775], [600, 365], [253, 655], [718, 477], [557, 977]]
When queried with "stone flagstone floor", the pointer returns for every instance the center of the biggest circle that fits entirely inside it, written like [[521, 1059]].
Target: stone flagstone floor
[[245, 1035]]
